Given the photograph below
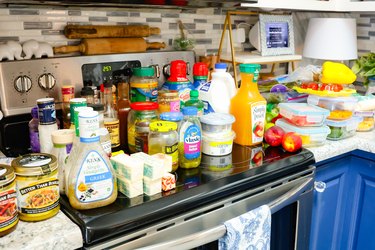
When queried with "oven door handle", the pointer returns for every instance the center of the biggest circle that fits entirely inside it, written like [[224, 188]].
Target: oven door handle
[[215, 233]]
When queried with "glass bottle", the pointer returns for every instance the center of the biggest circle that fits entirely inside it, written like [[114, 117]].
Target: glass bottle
[[67, 94], [248, 107], [105, 138], [88, 93], [33, 131], [75, 103], [111, 121], [47, 123], [123, 109], [194, 101], [190, 139], [92, 179]]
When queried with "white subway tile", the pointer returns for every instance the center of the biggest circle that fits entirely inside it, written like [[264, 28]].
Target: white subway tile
[[14, 25]]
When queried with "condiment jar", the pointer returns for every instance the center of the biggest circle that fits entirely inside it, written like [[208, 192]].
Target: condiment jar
[[8, 200], [37, 186], [172, 117], [140, 112], [168, 101], [143, 85], [163, 138]]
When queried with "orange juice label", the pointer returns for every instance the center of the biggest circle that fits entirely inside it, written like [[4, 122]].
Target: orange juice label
[[258, 116]]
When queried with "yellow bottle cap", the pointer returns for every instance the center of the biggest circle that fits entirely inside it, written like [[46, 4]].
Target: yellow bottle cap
[[163, 126]]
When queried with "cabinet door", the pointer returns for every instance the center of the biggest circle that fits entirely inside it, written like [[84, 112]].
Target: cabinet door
[[329, 206], [360, 213]]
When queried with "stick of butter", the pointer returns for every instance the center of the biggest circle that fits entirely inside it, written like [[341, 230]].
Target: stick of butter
[[129, 188], [153, 167], [129, 167], [167, 159], [151, 187]]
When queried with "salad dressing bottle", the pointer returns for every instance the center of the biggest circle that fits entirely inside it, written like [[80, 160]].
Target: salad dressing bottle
[[92, 179], [248, 106]]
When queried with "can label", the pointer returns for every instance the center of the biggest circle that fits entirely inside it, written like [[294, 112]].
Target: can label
[[73, 107], [35, 197], [67, 93], [8, 208], [95, 180], [47, 111]]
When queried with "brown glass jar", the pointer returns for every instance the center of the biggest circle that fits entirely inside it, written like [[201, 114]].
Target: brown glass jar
[[8, 200]]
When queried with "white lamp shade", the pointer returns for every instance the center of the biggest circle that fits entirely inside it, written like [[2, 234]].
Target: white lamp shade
[[331, 39]]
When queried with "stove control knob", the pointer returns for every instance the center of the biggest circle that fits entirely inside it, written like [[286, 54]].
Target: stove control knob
[[22, 84], [47, 81]]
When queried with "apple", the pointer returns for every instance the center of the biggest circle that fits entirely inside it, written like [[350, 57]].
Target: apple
[[291, 142], [274, 136]]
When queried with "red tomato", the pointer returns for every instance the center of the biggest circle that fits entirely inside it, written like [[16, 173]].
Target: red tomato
[[336, 87], [304, 85], [313, 86], [323, 87]]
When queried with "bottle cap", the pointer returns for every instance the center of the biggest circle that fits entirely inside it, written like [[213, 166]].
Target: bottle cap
[[141, 106], [62, 136], [220, 66], [171, 116], [107, 83], [163, 126], [194, 93], [249, 68], [200, 69], [190, 110], [178, 71], [86, 90], [144, 71], [96, 106]]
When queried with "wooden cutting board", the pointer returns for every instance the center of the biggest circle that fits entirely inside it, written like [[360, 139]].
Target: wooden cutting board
[[97, 46], [110, 31]]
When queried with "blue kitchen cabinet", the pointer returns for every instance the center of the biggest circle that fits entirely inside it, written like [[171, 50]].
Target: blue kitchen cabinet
[[344, 214]]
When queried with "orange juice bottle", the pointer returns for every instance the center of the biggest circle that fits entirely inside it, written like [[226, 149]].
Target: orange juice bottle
[[248, 106]]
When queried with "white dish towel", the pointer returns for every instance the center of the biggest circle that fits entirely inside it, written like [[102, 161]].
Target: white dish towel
[[250, 231]]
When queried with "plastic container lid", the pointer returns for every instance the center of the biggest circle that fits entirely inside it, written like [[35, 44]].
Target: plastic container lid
[[314, 99], [200, 69], [142, 106], [163, 126], [217, 119], [304, 109], [171, 116], [189, 110], [96, 106], [364, 113], [351, 123], [249, 68], [302, 130], [220, 66], [144, 71]]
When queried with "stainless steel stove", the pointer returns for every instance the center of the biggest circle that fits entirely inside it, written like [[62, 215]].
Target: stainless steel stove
[[23, 82]]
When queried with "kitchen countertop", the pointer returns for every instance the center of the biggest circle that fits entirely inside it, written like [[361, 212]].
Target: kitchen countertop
[[59, 232]]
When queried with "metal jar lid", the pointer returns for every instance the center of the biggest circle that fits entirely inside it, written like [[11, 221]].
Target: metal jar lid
[[6, 175], [34, 164]]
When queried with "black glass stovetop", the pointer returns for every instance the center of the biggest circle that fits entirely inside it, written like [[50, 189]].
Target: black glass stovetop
[[215, 179]]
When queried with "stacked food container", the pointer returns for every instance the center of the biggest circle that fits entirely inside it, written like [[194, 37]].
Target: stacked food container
[[365, 108], [306, 120], [341, 121]]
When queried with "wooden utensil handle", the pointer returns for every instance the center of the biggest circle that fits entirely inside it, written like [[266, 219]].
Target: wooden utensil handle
[[67, 49], [155, 45]]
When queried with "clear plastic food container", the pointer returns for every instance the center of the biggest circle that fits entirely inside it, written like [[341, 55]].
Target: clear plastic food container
[[311, 136], [343, 129], [368, 120], [341, 107], [217, 144], [303, 114], [217, 122]]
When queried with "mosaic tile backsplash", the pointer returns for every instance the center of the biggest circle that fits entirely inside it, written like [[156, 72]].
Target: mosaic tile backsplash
[[21, 23]]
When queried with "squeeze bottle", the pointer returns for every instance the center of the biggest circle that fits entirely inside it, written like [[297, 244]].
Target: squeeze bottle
[[248, 106]]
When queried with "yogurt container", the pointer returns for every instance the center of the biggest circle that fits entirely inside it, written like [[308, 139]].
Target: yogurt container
[[217, 144], [217, 122]]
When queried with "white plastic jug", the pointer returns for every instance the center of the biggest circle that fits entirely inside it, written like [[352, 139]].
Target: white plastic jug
[[217, 93]]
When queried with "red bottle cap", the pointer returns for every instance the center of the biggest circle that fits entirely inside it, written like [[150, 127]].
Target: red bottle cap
[[141, 106], [178, 71], [200, 69]]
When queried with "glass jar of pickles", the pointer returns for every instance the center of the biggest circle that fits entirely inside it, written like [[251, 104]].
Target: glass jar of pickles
[[37, 186], [163, 138], [141, 113], [8, 200]]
